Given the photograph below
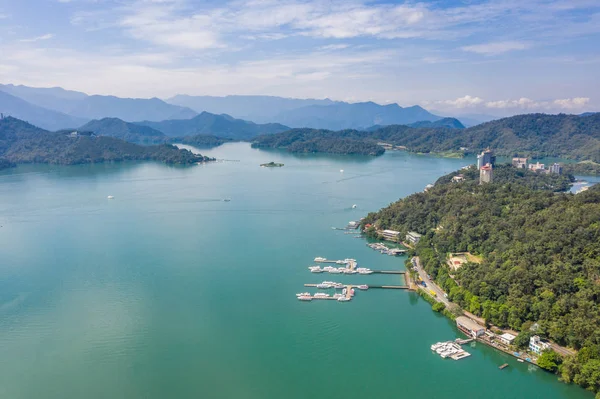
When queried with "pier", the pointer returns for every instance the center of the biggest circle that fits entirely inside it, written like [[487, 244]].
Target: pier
[[350, 286]]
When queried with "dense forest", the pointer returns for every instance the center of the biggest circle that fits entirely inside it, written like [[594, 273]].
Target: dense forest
[[540, 250], [326, 141], [531, 135], [21, 142], [200, 140]]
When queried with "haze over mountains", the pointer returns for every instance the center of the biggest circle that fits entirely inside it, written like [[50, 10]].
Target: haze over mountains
[[57, 108]]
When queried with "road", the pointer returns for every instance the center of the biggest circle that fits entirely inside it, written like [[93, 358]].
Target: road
[[430, 284], [440, 298]]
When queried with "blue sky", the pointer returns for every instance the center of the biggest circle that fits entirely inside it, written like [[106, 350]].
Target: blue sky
[[457, 57]]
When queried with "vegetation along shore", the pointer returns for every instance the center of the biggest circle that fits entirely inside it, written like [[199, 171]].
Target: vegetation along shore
[[538, 267]]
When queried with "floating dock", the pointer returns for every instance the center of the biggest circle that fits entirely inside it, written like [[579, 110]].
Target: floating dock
[[505, 365]]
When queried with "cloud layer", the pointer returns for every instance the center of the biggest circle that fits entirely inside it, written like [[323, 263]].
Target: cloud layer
[[354, 50]]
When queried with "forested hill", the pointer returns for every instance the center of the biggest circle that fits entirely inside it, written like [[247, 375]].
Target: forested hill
[[540, 250], [531, 135], [217, 125], [21, 142], [326, 141], [127, 131]]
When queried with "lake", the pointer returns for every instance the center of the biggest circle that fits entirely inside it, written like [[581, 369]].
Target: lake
[[167, 291]]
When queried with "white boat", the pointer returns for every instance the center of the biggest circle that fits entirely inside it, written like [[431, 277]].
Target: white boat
[[340, 262], [321, 295], [323, 286], [352, 292], [303, 294], [317, 271], [365, 272], [305, 298], [339, 286], [354, 206], [341, 170], [344, 291], [334, 271], [338, 296], [350, 271], [329, 282], [328, 268], [343, 299], [363, 287], [520, 360], [110, 197], [319, 259]]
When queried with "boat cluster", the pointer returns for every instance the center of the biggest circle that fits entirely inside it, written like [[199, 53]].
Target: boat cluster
[[385, 250], [446, 349], [339, 270], [344, 296]]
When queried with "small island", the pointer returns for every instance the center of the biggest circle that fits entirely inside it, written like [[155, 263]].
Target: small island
[[271, 165]]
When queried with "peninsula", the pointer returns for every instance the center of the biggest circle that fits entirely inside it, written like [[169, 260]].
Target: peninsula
[[532, 263], [21, 142]]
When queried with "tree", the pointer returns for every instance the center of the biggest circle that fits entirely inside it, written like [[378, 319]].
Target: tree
[[522, 340], [439, 306], [549, 360]]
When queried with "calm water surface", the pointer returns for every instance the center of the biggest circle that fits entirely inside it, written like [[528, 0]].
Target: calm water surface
[[169, 292]]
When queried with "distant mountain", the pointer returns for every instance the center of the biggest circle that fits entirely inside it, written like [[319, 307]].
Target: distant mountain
[[475, 119], [86, 107], [260, 109], [45, 118], [118, 128], [353, 116], [55, 98], [21, 142], [452, 123], [217, 125], [129, 109], [588, 113]]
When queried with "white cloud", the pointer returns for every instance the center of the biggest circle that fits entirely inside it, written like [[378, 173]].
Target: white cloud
[[334, 47], [47, 36], [523, 103], [464, 102], [496, 47], [572, 103], [520, 104]]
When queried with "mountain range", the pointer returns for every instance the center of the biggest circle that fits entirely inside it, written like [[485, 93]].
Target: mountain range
[[57, 108], [318, 114], [60, 104]]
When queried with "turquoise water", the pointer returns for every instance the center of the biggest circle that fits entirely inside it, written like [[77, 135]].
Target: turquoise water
[[169, 292]]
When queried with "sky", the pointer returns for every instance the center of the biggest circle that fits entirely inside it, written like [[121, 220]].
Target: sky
[[457, 57]]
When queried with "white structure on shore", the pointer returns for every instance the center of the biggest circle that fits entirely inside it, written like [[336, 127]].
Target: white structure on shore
[[536, 345]]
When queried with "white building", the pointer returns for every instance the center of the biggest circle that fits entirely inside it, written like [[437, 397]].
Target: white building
[[506, 338], [469, 326], [536, 345], [413, 237], [391, 235]]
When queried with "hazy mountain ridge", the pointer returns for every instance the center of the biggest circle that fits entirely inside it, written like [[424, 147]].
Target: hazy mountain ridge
[[218, 125], [39, 116], [259, 109], [354, 116], [127, 131]]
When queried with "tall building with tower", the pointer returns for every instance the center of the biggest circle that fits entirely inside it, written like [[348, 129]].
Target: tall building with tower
[[486, 157]]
